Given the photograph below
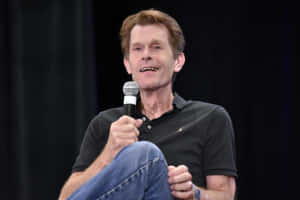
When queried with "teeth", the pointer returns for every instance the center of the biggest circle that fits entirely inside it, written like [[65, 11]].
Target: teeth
[[148, 69]]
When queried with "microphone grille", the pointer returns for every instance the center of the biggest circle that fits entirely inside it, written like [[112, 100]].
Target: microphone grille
[[130, 88]]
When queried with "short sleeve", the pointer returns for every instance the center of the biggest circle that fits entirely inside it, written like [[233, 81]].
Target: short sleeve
[[92, 144], [219, 150]]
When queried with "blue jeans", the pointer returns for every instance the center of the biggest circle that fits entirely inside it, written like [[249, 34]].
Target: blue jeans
[[138, 172]]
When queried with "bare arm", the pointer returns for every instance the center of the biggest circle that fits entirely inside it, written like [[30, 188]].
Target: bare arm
[[218, 187], [122, 133], [79, 178]]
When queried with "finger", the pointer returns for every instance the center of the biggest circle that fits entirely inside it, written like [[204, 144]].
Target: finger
[[179, 170], [127, 136], [121, 143], [118, 125], [183, 194], [130, 141], [124, 130], [184, 177], [185, 186], [170, 168], [132, 134], [127, 128], [129, 120], [126, 120], [138, 123], [132, 130]]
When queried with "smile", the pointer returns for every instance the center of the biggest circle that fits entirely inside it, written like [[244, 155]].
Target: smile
[[144, 69]]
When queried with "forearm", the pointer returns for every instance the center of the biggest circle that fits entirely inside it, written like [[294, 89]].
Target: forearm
[[78, 179], [72, 184], [208, 194]]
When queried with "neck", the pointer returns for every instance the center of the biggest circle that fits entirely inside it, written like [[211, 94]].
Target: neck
[[156, 103]]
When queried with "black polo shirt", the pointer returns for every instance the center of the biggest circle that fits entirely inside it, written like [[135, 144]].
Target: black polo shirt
[[196, 134]]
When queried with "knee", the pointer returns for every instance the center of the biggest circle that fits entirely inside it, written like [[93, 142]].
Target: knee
[[145, 147], [142, 150]]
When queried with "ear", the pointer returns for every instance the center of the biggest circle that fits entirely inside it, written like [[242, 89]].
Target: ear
[[127, 65], [179, 62]]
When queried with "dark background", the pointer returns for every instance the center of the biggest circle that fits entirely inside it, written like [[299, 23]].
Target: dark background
[[61, 63]]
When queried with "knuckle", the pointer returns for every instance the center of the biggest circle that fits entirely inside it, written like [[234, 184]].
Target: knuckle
[[185, 195], [189, 194], [128, 119], [176, 187], [131, 127], [189, 176], [190, 185], [124, 117], [183, 168]]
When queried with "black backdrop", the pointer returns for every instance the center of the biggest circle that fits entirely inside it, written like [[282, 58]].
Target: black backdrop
[[60, 64]]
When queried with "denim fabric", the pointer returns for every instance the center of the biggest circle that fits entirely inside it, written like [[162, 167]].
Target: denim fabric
[[138, 172]]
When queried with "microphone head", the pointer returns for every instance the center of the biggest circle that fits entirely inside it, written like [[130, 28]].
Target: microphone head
[[130, 88]]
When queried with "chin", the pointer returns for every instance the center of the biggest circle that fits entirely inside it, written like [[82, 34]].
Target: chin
[[149, 87], [152, 86]]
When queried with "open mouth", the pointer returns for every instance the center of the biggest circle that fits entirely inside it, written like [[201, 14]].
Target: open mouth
[[145, 69]]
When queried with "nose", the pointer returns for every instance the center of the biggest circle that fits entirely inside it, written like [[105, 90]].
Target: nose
[[146, 55]]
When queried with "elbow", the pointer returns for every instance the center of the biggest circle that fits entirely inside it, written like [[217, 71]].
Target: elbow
[[62, 195], [232, 189]]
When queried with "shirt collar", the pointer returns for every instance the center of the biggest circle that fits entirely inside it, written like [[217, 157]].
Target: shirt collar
[[178, 101]]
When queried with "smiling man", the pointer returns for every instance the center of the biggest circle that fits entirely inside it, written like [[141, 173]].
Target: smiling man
[[172, 148], [150, 59]]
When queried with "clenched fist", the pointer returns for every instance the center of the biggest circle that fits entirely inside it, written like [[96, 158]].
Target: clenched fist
[[123, 132], [180, 180]]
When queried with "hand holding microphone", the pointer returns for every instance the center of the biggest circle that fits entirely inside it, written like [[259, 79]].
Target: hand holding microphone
[[124, 131]]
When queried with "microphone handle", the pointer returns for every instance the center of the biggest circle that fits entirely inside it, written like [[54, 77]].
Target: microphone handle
[[129, 105], [129, 109]]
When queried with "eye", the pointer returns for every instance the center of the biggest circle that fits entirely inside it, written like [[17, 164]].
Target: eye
[[157, 47], [137, 48]]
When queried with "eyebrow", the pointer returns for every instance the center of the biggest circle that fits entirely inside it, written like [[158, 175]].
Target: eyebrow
[[156, 42], [151, 43]]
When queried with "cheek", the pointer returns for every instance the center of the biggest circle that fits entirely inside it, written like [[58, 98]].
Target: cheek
[[132, 66], [171, 66]]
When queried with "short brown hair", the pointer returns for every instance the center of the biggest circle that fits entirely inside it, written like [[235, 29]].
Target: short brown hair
[[148, 17]]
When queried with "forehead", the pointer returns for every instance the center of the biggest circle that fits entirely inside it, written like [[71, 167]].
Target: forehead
[[149, 33]]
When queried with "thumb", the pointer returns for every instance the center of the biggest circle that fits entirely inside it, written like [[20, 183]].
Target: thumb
[[138, 123]]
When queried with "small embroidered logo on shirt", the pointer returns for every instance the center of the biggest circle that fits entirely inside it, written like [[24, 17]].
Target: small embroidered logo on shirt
[[180, 130]]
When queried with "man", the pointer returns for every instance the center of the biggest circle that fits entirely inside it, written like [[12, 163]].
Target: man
[[195, 138]]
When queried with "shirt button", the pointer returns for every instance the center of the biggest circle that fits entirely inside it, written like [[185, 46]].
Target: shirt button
[[144, 119], [149, 126]]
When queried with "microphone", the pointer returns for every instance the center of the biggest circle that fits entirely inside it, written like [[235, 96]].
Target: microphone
[[130, 91]]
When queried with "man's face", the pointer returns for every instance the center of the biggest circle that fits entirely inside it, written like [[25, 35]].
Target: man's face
[[150, 61]]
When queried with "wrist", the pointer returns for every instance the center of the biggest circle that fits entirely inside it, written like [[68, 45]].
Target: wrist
[[196, 192], [108, 154]]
